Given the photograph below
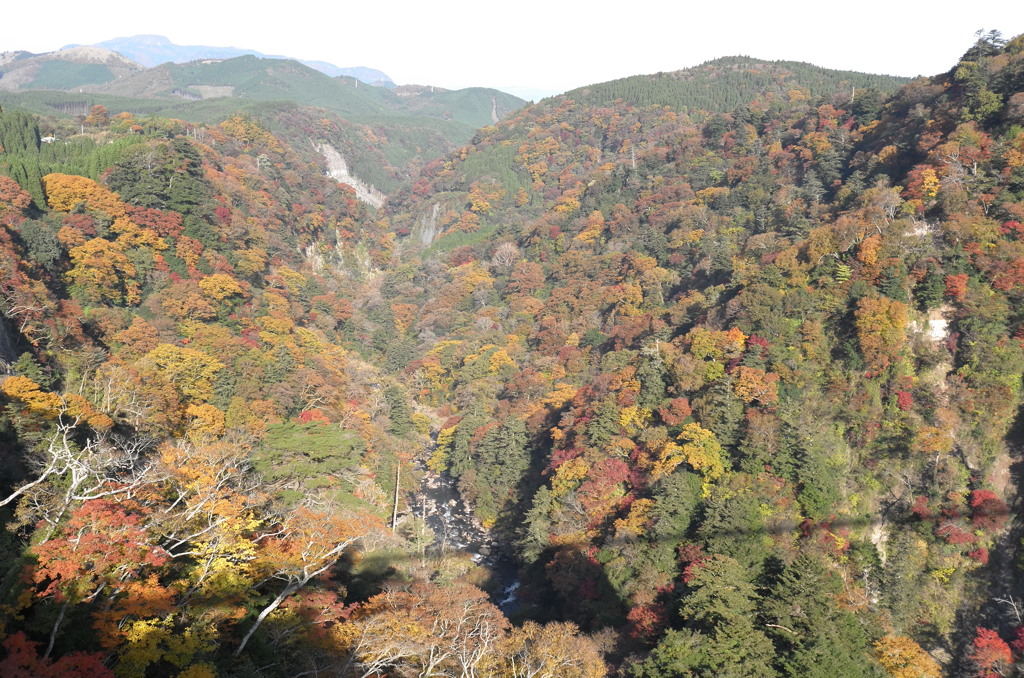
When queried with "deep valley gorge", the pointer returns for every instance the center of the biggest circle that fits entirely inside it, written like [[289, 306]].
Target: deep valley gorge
[[713, 372]]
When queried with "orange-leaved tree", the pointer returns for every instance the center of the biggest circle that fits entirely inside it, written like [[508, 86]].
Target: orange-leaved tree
[[901, 657], [308, 541], [427, 629], [103, 273], [66, 192], [13, 195], [555, 650], [102, 550], [881, 329]]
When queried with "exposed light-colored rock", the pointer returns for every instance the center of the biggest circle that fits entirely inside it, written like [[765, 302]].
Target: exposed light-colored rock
[[936, 325], [213, 91], [923, 228], [337, 169], [879, 536], [429, 226]]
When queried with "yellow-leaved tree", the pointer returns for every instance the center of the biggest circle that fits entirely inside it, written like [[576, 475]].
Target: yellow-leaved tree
[[102, 273], [67, 192]]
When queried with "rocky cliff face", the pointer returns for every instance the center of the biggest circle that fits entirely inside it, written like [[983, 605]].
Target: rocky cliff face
[[337, 169]]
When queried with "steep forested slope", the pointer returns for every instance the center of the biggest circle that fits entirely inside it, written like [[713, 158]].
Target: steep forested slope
[[682, 353], [195, 454], [737, 392]]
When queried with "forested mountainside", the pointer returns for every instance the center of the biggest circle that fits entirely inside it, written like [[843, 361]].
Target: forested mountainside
[[65, 69], [384, 136], [722, 85], [105, 77], [736, 392], [253, 78]]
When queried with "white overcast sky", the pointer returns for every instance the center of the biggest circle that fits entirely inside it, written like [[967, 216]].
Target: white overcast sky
[[544, 46]]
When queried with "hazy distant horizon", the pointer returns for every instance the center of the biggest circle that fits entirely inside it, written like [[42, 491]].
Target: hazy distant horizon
[[545, 48]]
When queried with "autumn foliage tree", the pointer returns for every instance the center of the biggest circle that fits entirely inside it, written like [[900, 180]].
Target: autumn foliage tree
[[102, 550], [551, 651], [432, 630], [881, 329], [12, 195], [23, 661], [991, 654], [102, 273], [901, 657], [66, 193], [310, 541]]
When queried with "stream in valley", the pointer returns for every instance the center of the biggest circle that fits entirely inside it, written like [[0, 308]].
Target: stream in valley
[[441, 506]]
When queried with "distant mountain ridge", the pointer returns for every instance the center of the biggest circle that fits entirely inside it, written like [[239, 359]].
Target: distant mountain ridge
[[65, 69], [270, 79], [383, 133], [723, 84], [98, 70], [153, 50]]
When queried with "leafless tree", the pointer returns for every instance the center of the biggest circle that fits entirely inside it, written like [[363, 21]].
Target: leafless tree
[[505, 257]]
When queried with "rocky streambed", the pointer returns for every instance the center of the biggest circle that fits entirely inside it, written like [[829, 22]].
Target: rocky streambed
[[456, 530]]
